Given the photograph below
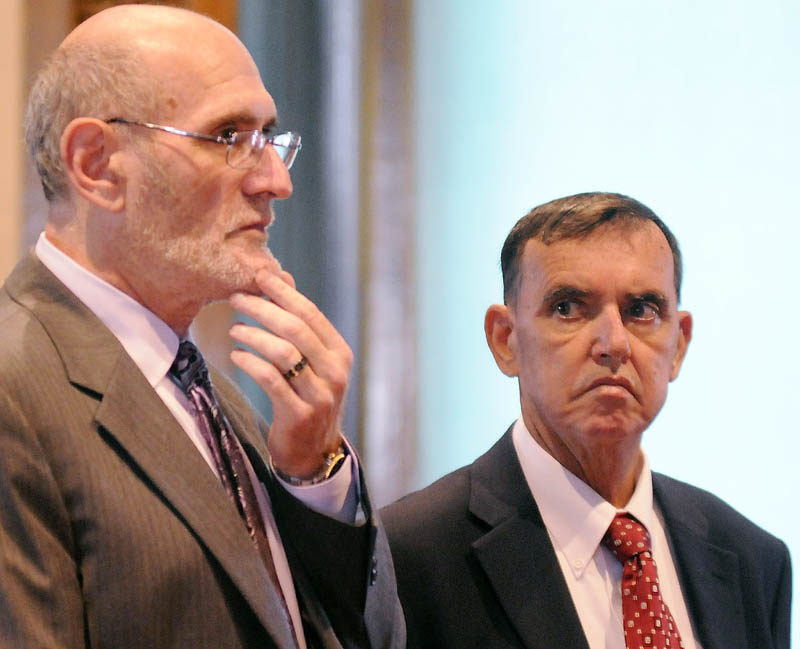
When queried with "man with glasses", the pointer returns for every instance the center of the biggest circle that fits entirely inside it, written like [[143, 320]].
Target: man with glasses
[[142, 501]]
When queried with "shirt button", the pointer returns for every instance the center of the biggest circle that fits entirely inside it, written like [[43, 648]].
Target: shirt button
[[577, 564]]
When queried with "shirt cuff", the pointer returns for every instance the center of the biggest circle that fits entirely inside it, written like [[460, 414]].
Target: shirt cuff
[[337, 497]]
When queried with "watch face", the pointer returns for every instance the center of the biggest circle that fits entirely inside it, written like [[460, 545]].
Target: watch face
[[334, 461]]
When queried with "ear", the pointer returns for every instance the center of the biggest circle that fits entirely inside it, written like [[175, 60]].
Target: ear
[[684, 337], [87, 146], [498, 324]]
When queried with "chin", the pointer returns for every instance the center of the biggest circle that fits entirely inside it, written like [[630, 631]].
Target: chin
[[251, 287], [612, 429], [263, 259], [221, 283], [238, 273]]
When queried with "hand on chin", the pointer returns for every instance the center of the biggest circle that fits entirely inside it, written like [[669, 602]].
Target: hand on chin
[[266, 264]]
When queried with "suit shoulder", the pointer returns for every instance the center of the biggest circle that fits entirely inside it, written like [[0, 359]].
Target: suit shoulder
[[461, 504], [25, 340], [436, 507], [726, 526]]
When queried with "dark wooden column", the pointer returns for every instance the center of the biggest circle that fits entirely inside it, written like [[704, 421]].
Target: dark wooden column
[[223, 11]]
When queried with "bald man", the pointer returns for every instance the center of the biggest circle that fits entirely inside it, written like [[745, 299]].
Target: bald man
[[139, 508]]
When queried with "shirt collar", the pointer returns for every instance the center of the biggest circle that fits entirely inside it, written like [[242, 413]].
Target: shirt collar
[[575, 515], [146, 338]]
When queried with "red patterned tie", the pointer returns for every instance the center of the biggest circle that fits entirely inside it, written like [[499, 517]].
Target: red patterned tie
[[645, 616]]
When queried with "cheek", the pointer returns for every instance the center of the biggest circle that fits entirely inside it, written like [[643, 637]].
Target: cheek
[[544, 365], [656, 373], [209, 199]]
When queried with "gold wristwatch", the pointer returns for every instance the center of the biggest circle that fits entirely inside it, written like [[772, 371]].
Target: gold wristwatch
[[331, 463]]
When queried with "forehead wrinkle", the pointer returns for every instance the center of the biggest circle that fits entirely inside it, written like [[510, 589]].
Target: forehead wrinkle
[[243, 107], [207, 78], [550, 271]]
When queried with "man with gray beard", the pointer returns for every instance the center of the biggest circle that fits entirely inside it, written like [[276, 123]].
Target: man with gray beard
[[143, 503]]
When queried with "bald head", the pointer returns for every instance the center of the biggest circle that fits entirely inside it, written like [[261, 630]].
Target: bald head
[[132, 22], [119, 62], [153, 31]]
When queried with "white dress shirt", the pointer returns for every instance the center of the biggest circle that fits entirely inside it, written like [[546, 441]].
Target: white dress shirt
[[576, 518], [152, 346]]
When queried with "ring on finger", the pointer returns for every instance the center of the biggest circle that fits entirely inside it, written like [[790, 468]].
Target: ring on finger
[[298, 367]]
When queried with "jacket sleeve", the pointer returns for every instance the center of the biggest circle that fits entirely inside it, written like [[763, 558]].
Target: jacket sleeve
[[782, 609], [344, 572], [40, 594]]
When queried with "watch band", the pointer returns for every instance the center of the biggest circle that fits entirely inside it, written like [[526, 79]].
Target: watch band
[[331, 463]]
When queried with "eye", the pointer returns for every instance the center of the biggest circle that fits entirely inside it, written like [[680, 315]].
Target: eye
[[643, 311], [567, 309], [228, 133]]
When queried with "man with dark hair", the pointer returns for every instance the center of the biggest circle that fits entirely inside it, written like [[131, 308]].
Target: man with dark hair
[[560, 535], [143, 503]]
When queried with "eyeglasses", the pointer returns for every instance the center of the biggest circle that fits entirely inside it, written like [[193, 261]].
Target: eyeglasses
[[244, 147]]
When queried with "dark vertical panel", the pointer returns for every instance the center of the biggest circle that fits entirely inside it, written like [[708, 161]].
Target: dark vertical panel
[[290, 43], [284, 37]]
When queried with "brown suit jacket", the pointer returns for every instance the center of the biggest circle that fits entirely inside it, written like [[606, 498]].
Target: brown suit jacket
[[113, 531]]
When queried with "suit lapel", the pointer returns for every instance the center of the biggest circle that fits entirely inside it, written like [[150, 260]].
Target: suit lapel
[[133, 418], [138, 420], [534, 594], [517, 556], [709, 575]]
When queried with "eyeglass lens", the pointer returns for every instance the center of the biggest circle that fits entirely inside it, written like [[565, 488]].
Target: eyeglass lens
[[247, 151]]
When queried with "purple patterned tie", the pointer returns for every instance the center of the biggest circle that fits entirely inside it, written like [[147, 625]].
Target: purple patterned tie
[[645, 616], [190, 373]]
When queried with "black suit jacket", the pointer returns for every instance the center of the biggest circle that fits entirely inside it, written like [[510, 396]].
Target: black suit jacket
[[114, 533], [476, 568]]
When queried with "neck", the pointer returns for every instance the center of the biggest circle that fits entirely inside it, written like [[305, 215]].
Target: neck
[[610, 469], [177, 313]]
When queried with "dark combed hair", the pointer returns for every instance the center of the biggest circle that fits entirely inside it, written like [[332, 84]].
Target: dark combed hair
[[573, 217]]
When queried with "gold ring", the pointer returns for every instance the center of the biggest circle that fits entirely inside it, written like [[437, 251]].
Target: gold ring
[[296, 369]]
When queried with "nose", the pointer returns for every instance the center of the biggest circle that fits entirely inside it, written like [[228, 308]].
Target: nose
[[611, 345], [269, 176]]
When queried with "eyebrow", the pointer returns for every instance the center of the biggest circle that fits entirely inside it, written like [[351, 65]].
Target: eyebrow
[[649, 296], [245, 117], [563, 293], [560, 293]]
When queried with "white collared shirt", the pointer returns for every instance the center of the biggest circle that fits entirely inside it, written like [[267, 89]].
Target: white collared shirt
[[576, 518], [152, 346]]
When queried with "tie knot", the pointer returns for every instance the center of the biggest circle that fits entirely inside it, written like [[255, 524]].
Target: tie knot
[[626, 537], [189, 368]]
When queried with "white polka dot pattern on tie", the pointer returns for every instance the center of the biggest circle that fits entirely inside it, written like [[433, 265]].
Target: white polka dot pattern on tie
[[647, 621]]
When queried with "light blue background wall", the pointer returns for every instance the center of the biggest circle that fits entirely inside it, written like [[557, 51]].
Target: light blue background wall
[[691, 107]]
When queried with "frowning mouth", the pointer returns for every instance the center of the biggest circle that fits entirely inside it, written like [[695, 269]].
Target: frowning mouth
[[612, 384]]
